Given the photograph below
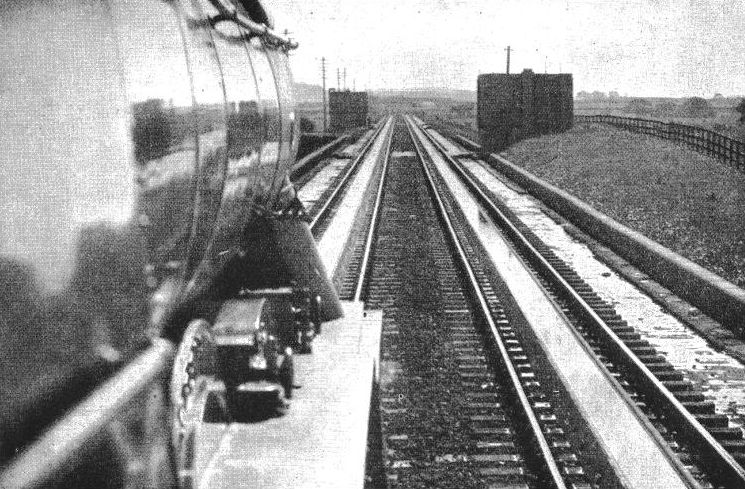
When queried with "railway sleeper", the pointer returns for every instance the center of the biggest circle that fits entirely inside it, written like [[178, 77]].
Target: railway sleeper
[[728, 433], [616, 322], [582, 485], [700, 407], [676, 386], [659, 367], [553, 431], [569, 275], [627, 336], [595, 300], [669, 375], [613, 319], [581, 288], [574, 472], [496, 446], [480, 406], [483, 396], [499, 458], [739, 458], [734, 446], [622, 329], [642, 350], [603, 309], [712, 420], [567, 458], [640, 343], [652, 359]]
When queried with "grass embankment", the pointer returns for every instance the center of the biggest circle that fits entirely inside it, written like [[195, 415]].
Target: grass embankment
[[688, 202]]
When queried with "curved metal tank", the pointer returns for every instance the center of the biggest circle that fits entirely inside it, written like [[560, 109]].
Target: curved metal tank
[[143, 143]]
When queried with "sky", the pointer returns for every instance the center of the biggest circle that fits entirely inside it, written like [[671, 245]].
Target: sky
[[635, 47]]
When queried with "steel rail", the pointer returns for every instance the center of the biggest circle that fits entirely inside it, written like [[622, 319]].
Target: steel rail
[[553, 475], [321, 214], [725, 466], [369, 240], [68, 438]]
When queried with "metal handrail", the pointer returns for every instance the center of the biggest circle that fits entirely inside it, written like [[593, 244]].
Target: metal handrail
[[51, 454], [46, 458], [65, 440]]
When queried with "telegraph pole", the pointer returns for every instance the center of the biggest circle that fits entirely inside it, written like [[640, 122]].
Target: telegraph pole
[[508, 58], [323, 76], [345, 78], [338, 79]]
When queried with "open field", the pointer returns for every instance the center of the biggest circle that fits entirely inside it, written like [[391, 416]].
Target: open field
[[723, 119], [686, 201]]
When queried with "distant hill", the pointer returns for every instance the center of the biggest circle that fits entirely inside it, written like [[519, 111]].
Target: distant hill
[[306, 93], [428, 93]]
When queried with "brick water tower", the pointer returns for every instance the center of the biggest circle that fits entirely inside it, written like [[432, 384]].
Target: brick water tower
[[347, 110], [514, 107]]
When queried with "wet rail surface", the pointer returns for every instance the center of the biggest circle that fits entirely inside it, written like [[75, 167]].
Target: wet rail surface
[[702, 450], [448, 413]]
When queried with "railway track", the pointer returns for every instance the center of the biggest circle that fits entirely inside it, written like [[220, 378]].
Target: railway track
[[325, 184], [684, 419], [460, 406], [712, 449], [467, 397]]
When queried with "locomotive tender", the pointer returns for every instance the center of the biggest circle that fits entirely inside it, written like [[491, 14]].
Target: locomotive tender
[[145, 149]]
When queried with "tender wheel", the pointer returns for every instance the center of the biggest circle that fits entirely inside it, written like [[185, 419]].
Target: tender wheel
[[187, 381]]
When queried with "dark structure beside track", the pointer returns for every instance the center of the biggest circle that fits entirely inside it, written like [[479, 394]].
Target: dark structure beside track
[[311, 141], [347, 110], [513, 107]]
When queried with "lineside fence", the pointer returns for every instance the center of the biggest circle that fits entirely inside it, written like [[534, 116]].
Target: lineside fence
[[726, 149]]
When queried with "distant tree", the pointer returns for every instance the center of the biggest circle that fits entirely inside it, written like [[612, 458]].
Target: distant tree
[[741, 110], [597, 95], [613, 95], [664, 109], [639, 106], [718, 96], [696, 107], [583, 95]]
